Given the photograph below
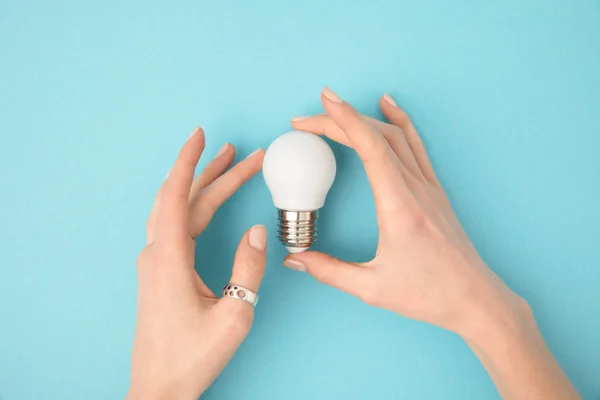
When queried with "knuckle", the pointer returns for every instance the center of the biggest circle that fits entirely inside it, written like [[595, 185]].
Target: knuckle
[[144, 258], [378, 149], [169, 254], [163, 251], [150, 223], [321, 274], [187, 160], [181, 197], [415, 143], [325, 129], [382, 146], [208, 204], [416, 221], [159, 255], [251, 269], [173, 195]]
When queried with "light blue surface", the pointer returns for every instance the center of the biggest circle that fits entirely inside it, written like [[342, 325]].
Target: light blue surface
[[96, 98]]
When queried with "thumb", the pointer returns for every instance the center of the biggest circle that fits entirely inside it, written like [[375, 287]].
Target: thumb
[[351, 278], [250, 259], [248, 271]]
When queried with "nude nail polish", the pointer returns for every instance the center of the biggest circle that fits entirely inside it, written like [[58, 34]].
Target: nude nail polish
[[295, 265], [390, 100], [330, 94], [298, 119], [258, 237], [222, 150], [253, 153]]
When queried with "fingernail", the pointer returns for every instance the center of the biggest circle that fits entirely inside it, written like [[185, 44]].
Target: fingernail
[[253, 153], [295, 265], [168, 173], [296, 119], [258, 237], [330, 94], [222, 150], [390, 100], [196, 130]]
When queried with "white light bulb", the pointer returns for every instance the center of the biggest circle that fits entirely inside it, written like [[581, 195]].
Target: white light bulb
[[299, 169]]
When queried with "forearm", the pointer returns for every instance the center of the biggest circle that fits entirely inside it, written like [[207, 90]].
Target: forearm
[[517, 359]]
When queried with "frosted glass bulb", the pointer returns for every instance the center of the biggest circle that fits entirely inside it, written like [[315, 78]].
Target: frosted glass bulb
[[299, 169]]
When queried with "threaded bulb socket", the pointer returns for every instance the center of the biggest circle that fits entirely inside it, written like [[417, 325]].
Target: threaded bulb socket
[[297, 229]]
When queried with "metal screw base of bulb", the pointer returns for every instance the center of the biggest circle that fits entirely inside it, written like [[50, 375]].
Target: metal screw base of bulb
[[297, 229]]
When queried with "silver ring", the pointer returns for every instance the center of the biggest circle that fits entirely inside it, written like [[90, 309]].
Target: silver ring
[[241, 293]]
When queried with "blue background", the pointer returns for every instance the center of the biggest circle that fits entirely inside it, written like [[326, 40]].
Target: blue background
[[96, 98]]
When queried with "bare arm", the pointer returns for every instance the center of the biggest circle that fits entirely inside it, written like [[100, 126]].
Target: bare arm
[[518, 360]]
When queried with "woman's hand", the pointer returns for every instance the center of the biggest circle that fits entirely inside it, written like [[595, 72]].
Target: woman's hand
[[425, 266], [184, 334]]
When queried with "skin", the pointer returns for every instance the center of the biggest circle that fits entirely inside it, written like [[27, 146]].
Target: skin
[[184, 334], [425, 267]]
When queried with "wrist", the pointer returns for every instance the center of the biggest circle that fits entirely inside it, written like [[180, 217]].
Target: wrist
[[511, 348], [488, 308], [503, 322], [146, 394], [155, 393], [134, 395]]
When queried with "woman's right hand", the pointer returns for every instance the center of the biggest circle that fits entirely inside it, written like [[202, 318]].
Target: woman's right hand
[[425, 266]]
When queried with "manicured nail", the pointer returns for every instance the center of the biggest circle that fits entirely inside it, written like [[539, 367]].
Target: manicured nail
[[297, 119], [253, 153], [222, 150], [390, 100], [196, 130], [295, 265], [330, 94], [258, 237]]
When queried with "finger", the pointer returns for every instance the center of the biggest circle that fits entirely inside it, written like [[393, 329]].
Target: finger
[[173, 224], [248, 271], [250, 259], [351, 278], [152, 218], [213, 170], [214, 195], [323, 125], [398, 117], [383, 168]]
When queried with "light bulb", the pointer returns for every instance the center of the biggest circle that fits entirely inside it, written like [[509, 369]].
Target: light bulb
[[299, 169]]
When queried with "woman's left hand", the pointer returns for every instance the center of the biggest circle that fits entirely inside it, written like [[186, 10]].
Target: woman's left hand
[[184, 334]]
